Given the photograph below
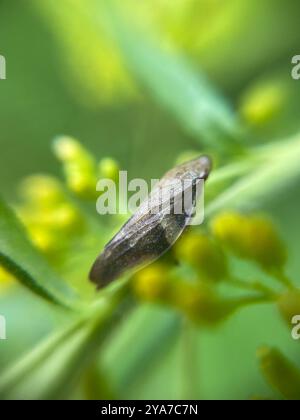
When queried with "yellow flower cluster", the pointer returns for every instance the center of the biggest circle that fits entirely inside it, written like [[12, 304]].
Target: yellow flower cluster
[[262, 102], [55, 223], [80, 168], [203, 253], [48, 214], [251, 237], [203, 264], [95, 67], [289, 305], [159, 283]]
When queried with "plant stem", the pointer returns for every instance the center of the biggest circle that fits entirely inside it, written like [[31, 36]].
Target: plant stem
[[190, 352], [282, 278], [69, 351], [254, 286]]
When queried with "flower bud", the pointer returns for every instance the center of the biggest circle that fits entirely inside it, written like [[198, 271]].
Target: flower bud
[[66, 219], [229, 228], [6, 279], [46, 208], [152, 282], [80, 182], [200, 303], [79, 166], [67, 149], [281, 374], [109, 168], [44, 239], [203, 254], [41, 190], [289, 305], [267, 248], [251, 238], [262, 103]]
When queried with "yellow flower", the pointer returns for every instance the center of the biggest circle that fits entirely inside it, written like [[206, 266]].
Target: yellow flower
[[199, 302], [41, 191], [152, 283], [44, 239], [253, 238], [263, 102], [95, 67], [79, 166], [51, 219], [289, 305], [67, 149], [6, 279], [108, 168], [202, 253], [267, 248], [231, 229]]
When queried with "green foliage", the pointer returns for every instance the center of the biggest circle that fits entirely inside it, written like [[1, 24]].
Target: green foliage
[[63, 356], [21, 259], [193, 101], [195, 283]]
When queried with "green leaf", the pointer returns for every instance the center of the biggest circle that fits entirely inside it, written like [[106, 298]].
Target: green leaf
[[275, 166], [19, 257], [172, 81], [62, 357], [127, 369]]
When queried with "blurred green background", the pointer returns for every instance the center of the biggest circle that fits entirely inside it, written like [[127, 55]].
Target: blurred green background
[[63, 78]]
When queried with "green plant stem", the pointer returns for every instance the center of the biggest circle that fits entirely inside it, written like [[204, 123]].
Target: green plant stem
[[233, 170], [253, 286], [283, 278], [68, 352], [253, 300], [152, 348], [190, 353]]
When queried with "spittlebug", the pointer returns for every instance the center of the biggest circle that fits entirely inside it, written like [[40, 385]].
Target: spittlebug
[[156, 225]]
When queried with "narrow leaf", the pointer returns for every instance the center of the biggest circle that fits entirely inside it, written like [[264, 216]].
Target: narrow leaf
[[19, 257], [277, 166], [173, 82], [63, 356]]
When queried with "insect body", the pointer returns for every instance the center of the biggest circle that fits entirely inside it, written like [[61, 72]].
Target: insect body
[[156, 225]]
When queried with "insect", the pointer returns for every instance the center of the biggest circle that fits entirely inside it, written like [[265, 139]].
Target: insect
[[156, 225]]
